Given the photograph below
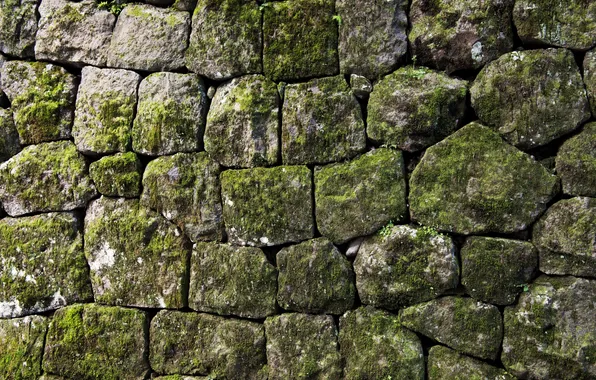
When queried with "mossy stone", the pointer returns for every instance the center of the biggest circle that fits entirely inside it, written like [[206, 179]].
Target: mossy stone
[[118, 175], [181, 377], [361, 87], [447, 364], [18, 27], [21, 347], [576, 163], [9, 137], [589, 67]]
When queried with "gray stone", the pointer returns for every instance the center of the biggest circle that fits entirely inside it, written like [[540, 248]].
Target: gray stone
[[361, 87], [118, 175], [576, 163], [21, 347], [18, 26], [589, 66], [9, 137], [446, 364]]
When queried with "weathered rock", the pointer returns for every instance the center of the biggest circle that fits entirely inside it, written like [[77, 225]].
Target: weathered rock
[[21, 347], [302, 346], [46, 177], [497, 270], [170, 114], [446, 364], [460, 35], [299, 39], [230, 280], [374, 346], [322, 122], [372, 36], [97, 342], [185, 189], [361, 87], [225, 41], [9, 137], [118, 175], [471, 327], [242, 123], [566, 238], [203, 344], [413, 108], [181, 377], [571, 24], [105, 107], [359, 197], [576, 163], [474, 182], [149, 38], [314, 277], [267, 206], [70, 32], [551, 332], [531, 97], [18, 26], [42, 98], [43, 266], [136, 257], [589, 66], [405, 266]]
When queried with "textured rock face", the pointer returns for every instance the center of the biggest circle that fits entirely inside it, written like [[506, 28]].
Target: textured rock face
[[21, 347], [361, 87], [45, 177], [232, 280], [515, 96], [322, 122], [97, 342], [202, 344], [566, 238], [460, 34], [136, 257], [471, 183], [242, 123], [375, 347], [359, 197], [446, 364], [550, 334], [18, 26], [118, 175], [413, 108], [589, 66], [576, 163], [9, 137], [302, 346]]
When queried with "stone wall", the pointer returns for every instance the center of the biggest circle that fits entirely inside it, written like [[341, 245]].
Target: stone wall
[[299, 189]]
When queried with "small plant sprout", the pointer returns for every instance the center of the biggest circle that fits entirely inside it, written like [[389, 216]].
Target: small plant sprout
[[337, 18], [386, 229]]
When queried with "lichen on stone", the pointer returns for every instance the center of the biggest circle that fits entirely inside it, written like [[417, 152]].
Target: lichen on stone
[[18, 27], [9, 137], [576, 163], [447, 364], [21, 347], [118, 175]]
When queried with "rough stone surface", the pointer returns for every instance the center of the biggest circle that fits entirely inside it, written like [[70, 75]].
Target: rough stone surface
[[566, 238], [456, 35], [242, 124], [413, 108], [185, 189], [203, 344], [230, 280], [576, 163], [105, 108], [97, 342], [496, 270], [149, 38], [46, 177], [170, 114], [137, 258], [404, 266], [374, 346], [531, 97], [314, 277], [118, 175], [446, 364], [372, 36], [9, 137], [226, 40], [21, 347], [551, 332], [471, 327], [18, 26], [589, 66], [302, 346], [361, 87], [267, 206], [321, 123], [471, 182], [359, 197]]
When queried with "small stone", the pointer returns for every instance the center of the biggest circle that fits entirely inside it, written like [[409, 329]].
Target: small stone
[[242, 124], [321, 123], [576, 163], [361, 87], [302, 346], [9, 137], [203, 344], [21, 347], [471, 327], [314, 277], [230, 280], [414, 108], [589, 66], [137, 258], [354, 247], [446, 364], [149, 38], [46, 177], [118, 175], [374, 346], [170, 114], [268, 206], [357, 198], [185, 189], [18, 26], [516, 96]]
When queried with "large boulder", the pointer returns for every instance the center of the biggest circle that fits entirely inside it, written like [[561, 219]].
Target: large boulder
[[9, 137], [21, 347], [18, 27], [576, 163], [446, 364], [118, 175]]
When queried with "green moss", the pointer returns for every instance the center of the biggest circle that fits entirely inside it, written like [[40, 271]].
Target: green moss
[[118, 175], [576, 163], [21, 347], [18, 26]]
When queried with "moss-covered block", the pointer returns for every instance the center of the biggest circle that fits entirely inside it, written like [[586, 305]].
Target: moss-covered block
[[118, 175], [97, 342], [474, 182], [18, 27], [446, 364], [268, 206], [576, 163], [358, 197], [589, 66], [9, 137], [21, 347]]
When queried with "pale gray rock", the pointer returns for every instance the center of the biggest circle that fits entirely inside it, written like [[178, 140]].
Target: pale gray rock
[[18, 26]]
